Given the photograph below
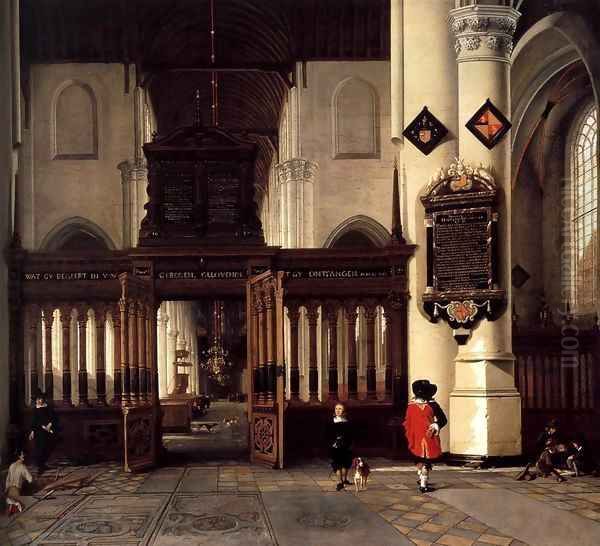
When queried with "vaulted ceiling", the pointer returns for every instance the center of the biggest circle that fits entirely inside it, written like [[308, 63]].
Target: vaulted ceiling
[[255, 45]]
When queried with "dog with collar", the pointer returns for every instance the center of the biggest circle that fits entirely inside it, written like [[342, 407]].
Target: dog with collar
[[361, 473]]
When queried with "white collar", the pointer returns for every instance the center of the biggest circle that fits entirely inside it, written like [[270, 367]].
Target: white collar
[[337, 419], [419, 401]]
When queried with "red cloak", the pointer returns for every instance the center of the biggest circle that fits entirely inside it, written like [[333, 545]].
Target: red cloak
[[419, 416]]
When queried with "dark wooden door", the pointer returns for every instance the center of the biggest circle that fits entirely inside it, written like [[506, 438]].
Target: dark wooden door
[[265, 363]]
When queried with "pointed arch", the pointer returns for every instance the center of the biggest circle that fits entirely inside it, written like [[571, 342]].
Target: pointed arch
[[76, 227], [369, 228], [554, 43]]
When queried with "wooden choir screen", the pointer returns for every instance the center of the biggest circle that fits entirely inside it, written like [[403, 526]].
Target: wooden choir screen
[[139, 372], [70, 353], [354, 353], [557, 373], [265, 362]]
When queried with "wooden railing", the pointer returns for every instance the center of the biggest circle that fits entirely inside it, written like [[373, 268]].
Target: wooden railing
[[557, 372]]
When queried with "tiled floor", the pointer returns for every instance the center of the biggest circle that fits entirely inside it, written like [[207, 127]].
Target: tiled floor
[[392, 494]]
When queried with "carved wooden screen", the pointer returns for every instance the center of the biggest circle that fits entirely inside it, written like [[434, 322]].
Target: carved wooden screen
[[266, 367], [141, 424]]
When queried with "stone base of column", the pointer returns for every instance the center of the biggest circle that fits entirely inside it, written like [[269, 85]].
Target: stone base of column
[[485, 407], [482, 462]]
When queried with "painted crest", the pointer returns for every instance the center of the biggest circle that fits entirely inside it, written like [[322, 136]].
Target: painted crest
[[462, 311], [425, 135]]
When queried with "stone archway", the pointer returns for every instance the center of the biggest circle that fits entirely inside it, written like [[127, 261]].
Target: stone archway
[[356, 230], [76, 233]]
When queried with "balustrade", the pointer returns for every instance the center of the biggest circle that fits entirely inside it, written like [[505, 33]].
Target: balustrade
[[54, 356], [331, 370]]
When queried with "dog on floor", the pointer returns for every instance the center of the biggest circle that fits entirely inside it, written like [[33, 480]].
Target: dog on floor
[[361, 473]]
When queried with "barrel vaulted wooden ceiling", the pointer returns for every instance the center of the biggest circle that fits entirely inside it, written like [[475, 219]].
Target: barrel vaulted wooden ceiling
[[256, 43]]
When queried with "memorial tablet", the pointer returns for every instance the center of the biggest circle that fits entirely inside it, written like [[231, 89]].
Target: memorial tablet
[[462, 249], [462, 260], [178, 193], [223, 193]]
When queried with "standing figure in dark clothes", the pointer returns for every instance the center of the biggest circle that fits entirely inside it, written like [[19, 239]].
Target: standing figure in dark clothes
[[43, 432], [339, 439], [423, 422]]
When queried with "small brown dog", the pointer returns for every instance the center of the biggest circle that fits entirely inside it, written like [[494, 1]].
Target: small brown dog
[[361, 473]]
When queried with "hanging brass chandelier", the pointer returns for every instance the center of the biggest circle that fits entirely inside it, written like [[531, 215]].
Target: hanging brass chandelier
[[215, 360]]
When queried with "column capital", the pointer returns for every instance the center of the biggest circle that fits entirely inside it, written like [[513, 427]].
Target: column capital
[[132, 169], [297, 169], [483, 32]]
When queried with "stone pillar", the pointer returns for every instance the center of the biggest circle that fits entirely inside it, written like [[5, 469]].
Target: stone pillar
[[134, 178], [296, 182], [163, 356], [485, 406], [171, 348], [397, 69], [429, 80], [9, 136]]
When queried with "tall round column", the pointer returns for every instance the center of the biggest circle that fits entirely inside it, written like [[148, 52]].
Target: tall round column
[[485, 406], [429, 79], [171, 347], [162, 356]]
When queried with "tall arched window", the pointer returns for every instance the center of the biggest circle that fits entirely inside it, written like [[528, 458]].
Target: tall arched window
[[584, 176]]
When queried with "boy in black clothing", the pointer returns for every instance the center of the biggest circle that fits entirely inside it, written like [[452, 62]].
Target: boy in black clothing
[[43, 432]]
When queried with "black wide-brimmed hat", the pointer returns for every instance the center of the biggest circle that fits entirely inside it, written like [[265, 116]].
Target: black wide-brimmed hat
[[422, 388]]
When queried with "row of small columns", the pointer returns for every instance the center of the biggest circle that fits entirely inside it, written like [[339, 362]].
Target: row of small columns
[[331, 313], [264, 364], [133, 323]]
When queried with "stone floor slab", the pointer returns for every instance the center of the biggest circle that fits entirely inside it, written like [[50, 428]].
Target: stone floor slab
[[163, 480], [334, 519], [199, 480], [531, 521], [109, 519], [226, 520]]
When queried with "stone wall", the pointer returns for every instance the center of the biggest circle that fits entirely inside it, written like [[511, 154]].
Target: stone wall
[[354, 153], [7, 169], [81, 129]]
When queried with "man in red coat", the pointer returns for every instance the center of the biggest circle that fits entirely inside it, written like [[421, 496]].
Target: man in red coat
[[424, 419]]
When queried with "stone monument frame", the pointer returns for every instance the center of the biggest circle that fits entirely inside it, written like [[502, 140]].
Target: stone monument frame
[[461, 221]]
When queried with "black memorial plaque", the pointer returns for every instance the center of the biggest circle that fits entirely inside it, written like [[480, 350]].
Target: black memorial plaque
[[462, 249], [178, 194], [223, 193]]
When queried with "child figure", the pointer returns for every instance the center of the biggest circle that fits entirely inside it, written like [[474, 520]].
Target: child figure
[[423, 422], [17, 474], [580, 459]]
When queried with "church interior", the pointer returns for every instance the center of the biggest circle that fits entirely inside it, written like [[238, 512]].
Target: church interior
[[224, 218]]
